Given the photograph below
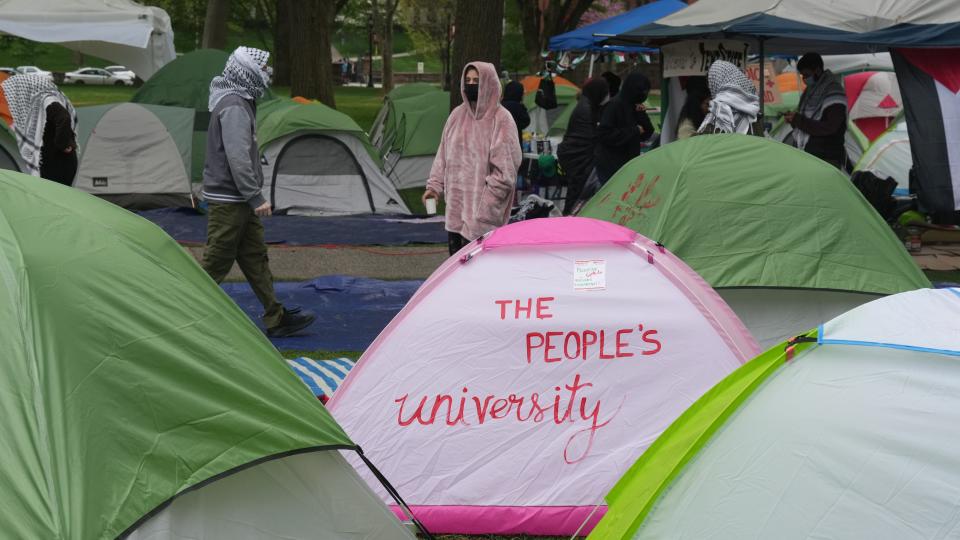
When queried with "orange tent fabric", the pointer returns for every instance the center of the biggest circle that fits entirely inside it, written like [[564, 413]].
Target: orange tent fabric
[[790, 82], [4, 107], [532, 82], [302, 100]]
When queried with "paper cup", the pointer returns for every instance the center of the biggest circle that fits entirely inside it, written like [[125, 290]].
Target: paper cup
[[431, 205]]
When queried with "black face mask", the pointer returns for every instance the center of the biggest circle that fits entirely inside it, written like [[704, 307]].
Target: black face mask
[[471, 90]]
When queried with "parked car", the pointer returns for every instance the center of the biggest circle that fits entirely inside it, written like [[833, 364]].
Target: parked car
[[95, 76], [34, 70], [121, 71]]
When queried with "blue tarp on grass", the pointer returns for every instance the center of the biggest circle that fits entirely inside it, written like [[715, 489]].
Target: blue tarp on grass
[[351, 311], [187, 225]]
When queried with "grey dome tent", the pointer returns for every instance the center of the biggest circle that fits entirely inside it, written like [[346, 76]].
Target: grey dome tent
[[317, 161], [136, 155]]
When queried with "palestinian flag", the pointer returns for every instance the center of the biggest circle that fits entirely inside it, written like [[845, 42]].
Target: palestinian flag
[[930, 85]]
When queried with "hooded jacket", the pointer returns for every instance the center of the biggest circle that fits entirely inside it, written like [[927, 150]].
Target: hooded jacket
[[513, 102], [477, 161], [577, 151], [619, 138]]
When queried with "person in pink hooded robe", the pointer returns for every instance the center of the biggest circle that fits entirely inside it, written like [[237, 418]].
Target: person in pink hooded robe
[[476, 165]]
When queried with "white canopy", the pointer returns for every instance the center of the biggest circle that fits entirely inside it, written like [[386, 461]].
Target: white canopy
[[121, 31]]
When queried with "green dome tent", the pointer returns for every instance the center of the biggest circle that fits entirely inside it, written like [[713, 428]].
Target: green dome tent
[[185, 82], [317, 161], [846, 433], [784, 237], [408, 130], [136, 155], [138, 399]]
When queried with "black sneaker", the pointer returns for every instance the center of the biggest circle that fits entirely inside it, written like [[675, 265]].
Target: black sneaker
[[291, 323]]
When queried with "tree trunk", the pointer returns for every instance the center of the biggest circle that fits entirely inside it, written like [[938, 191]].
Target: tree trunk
[[478, 38], [281, 43], [215, 25], [530, 28], [390, 9], [311, 74]]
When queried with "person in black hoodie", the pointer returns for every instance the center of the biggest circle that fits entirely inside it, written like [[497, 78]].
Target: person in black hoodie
[[576, 152], [624, 127], [612, 81], [513, 102]]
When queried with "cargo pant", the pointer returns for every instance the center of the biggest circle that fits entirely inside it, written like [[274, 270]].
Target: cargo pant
[[235, 233]]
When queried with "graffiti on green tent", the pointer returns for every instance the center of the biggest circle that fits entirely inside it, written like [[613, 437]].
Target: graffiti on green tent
[[629, 207]]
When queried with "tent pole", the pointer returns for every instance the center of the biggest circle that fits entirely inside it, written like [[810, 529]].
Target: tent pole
[[593, 57]]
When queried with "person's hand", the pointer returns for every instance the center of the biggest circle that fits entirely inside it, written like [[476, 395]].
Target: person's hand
[[642, 131], [640, 107], [789, 116], [429, 194], [263, 210], [68, 150]]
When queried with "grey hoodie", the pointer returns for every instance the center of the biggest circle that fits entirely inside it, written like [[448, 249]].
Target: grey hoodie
[[232, 172]]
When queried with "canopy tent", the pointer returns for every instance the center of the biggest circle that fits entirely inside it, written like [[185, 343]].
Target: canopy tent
[[136, 155], [801, 26], [139, 401], [889, 156], [920, 33], [843, 64], [317, 161], [121, 31], [407, 133], [590, 37], [787, 241], [847, 433], [468, 403]]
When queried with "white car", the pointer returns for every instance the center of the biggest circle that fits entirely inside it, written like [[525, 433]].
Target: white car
[[34, 70], [121, 71], [95, 76]]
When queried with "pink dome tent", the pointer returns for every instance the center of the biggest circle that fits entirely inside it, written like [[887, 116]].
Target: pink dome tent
[[531, 370]]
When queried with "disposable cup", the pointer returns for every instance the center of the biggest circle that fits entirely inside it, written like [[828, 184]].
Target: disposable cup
[[431, 205]]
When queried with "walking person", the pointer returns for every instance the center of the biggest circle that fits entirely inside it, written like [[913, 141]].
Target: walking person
[[45, 125], [820, 123], [475, 169], [232, 184], [577, 150]]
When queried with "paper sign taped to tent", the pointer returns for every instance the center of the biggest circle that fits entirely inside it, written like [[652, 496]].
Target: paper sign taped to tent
[[590, 275], [695, 57], [771, 92]]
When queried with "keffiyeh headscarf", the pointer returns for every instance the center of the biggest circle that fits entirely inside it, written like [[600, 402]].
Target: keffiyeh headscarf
[[826, 92], [735, 105], [28, 97], [246, 75]]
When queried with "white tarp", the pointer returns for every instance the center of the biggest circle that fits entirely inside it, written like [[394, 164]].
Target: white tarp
[[122, 31]]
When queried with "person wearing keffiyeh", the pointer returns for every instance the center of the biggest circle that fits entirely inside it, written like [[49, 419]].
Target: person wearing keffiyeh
[[820, 124], [45, 125], [735, 105], [232, 185]]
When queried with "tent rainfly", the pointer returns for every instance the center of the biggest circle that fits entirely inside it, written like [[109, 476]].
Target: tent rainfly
[[788, 242], [136, 155], [122, 31], [407, 132], [529, 370], [140, 402], [847, 432], [9, 152], [317, 161]]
